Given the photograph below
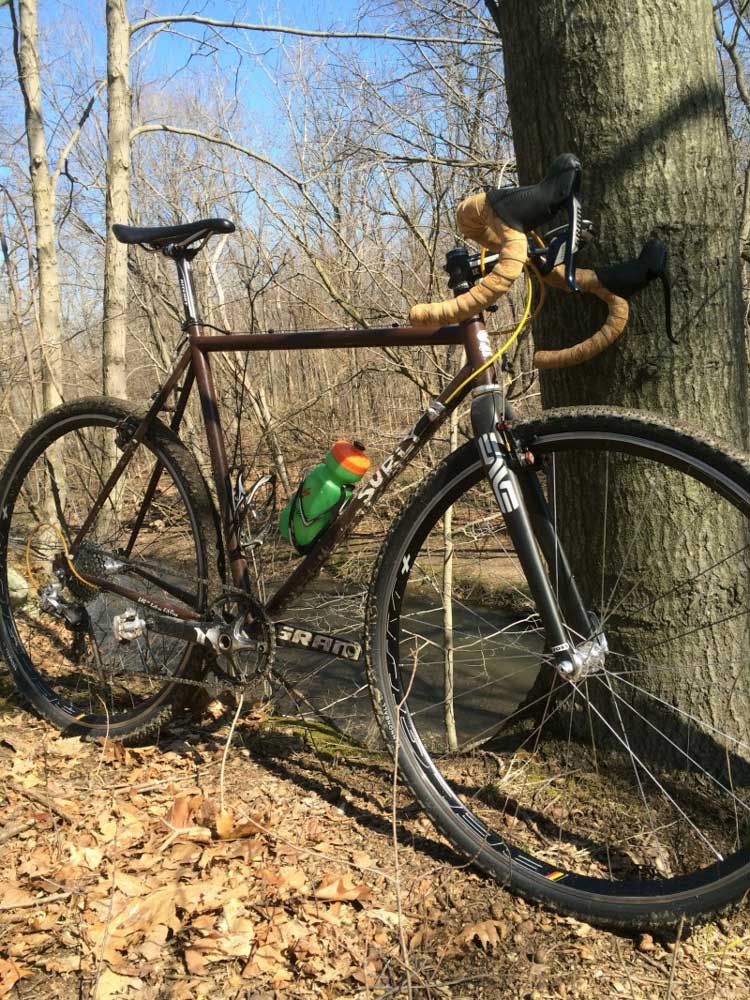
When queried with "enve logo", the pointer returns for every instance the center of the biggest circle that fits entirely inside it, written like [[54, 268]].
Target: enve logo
[[497, 471]]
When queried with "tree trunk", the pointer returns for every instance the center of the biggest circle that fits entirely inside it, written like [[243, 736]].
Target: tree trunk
[[118, 199], [633, 89], [449, 713], [26, 38]]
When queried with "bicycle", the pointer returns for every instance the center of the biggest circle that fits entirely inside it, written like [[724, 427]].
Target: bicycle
[[530, 618]]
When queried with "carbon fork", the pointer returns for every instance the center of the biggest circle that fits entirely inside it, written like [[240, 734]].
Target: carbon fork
[[530, 525]]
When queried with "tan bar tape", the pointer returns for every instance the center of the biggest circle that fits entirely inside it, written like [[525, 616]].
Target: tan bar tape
[[478, 222], [616, 321]]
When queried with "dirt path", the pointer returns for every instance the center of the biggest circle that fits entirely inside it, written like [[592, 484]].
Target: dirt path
[[122, 876]]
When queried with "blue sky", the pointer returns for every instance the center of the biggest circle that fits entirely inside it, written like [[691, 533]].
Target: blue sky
[[78, 27], [167, 59], [168, 52]]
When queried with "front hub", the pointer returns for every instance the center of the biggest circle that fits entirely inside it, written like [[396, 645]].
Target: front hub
[[586, 659]]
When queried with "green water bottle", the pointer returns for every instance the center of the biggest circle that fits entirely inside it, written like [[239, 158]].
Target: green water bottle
[[321, 494]]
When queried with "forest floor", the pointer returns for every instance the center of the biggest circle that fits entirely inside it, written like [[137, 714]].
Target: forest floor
[[139, 872]]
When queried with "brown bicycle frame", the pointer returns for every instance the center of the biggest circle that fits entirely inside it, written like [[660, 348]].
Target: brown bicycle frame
[[194, 363]]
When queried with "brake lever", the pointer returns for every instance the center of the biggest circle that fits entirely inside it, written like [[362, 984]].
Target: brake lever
[[573, 241], [629, 277], [548, 257]]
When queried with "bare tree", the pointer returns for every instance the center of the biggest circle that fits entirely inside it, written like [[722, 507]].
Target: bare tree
[[117, 199], [26, 50]]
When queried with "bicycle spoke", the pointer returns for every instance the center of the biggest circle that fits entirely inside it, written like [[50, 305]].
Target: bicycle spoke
[[637, 761], [65, 640], [672, 743]]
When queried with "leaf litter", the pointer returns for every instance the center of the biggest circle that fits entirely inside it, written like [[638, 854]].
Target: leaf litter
[[131, 881]]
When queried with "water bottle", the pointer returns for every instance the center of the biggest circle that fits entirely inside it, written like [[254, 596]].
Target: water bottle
[[322, 493]]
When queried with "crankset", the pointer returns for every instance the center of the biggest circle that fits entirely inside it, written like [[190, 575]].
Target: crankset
[[238, 635]]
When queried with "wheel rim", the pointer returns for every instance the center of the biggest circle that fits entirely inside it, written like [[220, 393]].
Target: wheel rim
[[83, 672], [673, 823]]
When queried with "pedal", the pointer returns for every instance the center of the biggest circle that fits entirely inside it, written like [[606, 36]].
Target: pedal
[[128, 626]]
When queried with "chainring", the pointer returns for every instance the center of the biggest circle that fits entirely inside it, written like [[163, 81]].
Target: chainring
[[246, 665]]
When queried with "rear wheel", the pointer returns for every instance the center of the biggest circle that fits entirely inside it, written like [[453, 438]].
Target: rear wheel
[[622, 796], [57, 633]]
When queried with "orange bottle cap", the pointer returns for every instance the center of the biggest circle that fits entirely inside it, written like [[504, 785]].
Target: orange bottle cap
[[350, 457]]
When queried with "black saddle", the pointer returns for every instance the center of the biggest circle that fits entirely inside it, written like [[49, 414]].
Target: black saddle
[[183, 235]]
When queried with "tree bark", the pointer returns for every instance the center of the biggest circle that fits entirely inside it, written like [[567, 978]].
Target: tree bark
[[26, 46], [118, 199], [634, 90]]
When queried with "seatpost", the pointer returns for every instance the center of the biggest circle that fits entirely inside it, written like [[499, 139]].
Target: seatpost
[[187, 288]]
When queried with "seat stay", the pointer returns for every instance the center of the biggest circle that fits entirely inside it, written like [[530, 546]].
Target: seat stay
[[131, 438]]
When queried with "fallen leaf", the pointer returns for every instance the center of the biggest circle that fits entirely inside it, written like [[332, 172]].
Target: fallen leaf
[[10, 973], [90, 857], [361, 859], [108, 828], [292, 878], [342, 887], [115, 752], [186, 852], [71, 746], [368, 975], [488, 933], [195, 960], [388, 917], [646, 943], [182, 811], [269, 961], [137, 919], [227, 828], [13, 895], [129, 885], [61, 964], [93, 857], [286, 877], [111, 985], [21, 766]]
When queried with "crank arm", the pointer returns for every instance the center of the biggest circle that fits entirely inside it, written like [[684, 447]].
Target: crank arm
[[221, 638]]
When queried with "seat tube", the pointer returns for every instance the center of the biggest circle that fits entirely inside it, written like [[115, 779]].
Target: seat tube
[[212, 423], [486, 412]]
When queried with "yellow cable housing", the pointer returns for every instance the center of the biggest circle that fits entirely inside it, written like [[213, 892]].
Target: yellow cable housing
[[71, 567], [509, 342]]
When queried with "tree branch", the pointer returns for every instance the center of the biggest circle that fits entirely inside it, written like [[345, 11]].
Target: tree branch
[[75, 135], [219, 140], [306, 32]]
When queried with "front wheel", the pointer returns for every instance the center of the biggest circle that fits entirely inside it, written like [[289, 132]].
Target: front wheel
[[622, 796]]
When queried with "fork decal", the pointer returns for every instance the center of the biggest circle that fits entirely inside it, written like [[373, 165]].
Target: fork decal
[[492, 455]]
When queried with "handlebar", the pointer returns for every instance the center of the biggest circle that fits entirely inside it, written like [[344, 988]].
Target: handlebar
[[614, 284], [616, 321], [477, 221], [499, 219]]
